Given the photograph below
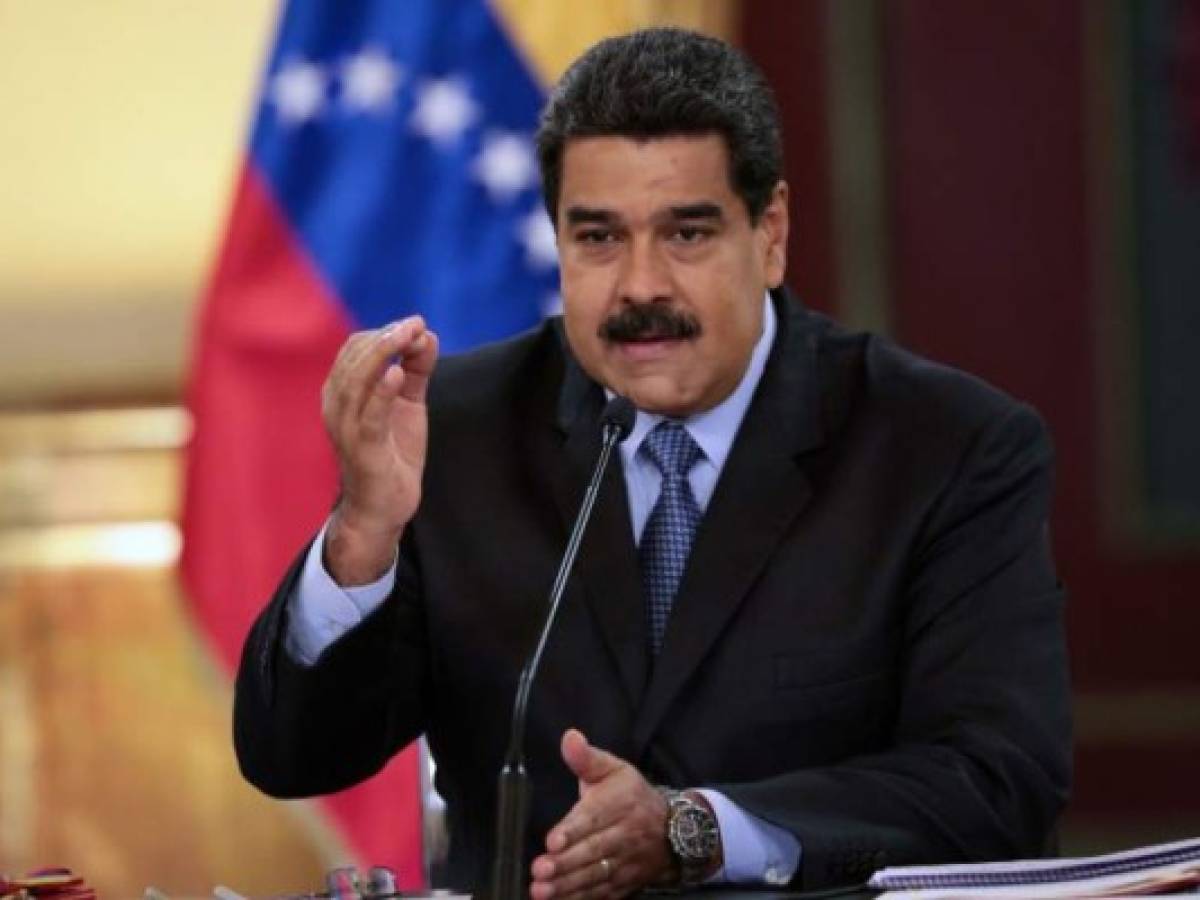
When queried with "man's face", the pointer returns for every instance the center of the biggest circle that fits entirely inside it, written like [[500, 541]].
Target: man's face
[[662, 271]]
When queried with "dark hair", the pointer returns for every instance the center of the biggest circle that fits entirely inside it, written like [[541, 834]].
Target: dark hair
[[661, 82]]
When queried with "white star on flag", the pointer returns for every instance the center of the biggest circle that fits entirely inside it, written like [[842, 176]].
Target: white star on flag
[[298, 91], [369, 80], [444, 110], [537, 234], [505, 165]]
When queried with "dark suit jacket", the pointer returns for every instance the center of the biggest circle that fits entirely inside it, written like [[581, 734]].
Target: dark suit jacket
[[866, 648]]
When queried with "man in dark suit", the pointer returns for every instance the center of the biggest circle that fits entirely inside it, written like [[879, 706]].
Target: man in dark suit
[[835, 626]]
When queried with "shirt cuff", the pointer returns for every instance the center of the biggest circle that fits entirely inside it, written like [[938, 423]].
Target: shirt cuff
[[320, 610], [754, 851]]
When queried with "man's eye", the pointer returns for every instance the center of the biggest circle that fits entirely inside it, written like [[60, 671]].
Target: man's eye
[[690, 235], [594, 236]]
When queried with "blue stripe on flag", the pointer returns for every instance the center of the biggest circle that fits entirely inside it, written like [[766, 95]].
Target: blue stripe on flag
[[398, 139]]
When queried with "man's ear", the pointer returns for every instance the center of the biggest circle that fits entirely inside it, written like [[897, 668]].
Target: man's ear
[[773, 228]]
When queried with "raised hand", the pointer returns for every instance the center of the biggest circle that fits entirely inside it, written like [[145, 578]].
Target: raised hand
[[373, 406]]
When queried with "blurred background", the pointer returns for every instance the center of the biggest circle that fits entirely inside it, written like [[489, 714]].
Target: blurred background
[[1013, 188]]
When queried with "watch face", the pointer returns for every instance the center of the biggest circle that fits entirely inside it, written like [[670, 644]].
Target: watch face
[[693, 832]]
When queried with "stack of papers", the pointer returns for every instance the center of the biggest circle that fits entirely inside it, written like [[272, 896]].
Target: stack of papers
[[1159, 869]]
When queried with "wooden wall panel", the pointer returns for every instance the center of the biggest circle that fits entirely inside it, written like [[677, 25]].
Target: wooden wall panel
[[788, 41], [999, 184]]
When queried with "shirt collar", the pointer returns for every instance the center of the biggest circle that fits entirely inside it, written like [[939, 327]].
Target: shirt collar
[[714, 429]]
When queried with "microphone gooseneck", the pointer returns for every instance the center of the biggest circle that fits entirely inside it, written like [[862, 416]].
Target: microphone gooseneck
[[512, 802]]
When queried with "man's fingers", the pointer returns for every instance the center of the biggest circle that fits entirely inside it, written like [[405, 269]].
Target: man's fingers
[[364, 359], [406, 378], [605, 843], [391, 346], [419, 361], [581, 824], [336, 390], [368, 374], [591, 829], [340, 394], [599, 809], [598, 878], [590, 764]]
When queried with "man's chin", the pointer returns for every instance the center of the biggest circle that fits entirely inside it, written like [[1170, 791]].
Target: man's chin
[[659, 395]]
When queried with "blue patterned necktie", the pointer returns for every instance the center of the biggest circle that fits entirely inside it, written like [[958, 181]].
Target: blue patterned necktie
[[667, 537]]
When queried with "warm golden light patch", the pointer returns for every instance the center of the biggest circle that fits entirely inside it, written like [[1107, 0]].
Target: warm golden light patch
[[552, 33]]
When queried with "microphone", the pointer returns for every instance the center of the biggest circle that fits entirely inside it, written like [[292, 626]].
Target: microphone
[[512, 802]]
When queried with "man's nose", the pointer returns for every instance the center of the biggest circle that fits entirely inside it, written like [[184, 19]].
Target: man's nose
[[645, 277]]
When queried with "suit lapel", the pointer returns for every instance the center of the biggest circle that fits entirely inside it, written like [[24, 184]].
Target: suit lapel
[[607, 564], [761, 491]]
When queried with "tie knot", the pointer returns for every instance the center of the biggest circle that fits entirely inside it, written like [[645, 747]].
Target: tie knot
[[672, 449]]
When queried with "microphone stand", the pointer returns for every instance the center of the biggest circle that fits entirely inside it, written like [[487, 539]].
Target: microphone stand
[[512, 804]]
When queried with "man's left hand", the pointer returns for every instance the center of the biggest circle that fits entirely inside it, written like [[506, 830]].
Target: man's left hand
[[613, 841]]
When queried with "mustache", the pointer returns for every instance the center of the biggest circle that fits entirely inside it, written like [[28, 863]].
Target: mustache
[[649, 321]]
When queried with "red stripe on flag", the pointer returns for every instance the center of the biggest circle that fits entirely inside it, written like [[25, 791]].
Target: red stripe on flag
[[261, 475]]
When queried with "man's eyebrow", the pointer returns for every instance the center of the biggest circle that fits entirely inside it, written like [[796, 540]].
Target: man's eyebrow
[[579, 215], [697, 211]]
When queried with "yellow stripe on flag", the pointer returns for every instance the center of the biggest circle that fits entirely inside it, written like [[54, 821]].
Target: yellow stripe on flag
[[552, 33]]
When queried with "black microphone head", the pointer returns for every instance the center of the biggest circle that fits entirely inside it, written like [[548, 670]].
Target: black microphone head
[[618, 417]]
